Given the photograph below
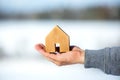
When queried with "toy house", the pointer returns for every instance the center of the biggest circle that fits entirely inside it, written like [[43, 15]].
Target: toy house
[[57, 38]]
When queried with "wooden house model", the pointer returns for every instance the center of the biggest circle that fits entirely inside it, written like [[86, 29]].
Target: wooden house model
[[57, 38]]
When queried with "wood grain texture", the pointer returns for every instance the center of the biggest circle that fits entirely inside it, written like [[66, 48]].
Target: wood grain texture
[[57, 36]]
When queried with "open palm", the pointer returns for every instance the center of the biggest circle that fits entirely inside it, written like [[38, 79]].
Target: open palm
[[76, 55]]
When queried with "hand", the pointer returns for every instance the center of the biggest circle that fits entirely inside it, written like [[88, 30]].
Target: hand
[[76, 55]]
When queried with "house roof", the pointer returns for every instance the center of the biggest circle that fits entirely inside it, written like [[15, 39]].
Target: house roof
[[57, 27]]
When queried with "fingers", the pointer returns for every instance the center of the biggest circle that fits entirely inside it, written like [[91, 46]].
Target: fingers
[[41, 49], [39, 46], [51, 57], [57, 62], [54, 61]]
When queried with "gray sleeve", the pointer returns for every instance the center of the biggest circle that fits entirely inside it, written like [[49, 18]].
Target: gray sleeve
[[108, 60]]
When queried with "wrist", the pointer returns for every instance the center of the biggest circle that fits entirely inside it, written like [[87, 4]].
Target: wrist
[[82, 57]]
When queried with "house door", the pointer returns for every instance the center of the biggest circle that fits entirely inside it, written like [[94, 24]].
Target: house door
[[57, 47]]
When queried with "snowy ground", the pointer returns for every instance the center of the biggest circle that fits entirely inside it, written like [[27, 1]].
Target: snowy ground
[[43, 70]]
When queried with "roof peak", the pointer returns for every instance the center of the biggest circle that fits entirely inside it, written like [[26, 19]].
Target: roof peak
[[59, 29]]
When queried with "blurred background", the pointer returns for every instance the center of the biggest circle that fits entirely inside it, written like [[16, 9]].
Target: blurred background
[[91, 24]]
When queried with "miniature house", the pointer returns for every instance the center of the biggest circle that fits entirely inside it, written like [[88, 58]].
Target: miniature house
[[57, 38]]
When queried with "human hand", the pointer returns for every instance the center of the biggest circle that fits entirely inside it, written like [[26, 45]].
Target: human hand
[[76, 55]]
